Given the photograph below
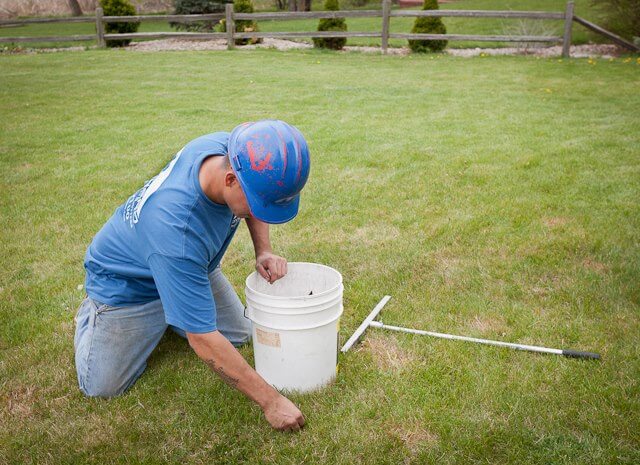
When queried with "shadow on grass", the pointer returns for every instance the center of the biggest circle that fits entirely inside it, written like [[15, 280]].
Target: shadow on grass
[[168, 348]]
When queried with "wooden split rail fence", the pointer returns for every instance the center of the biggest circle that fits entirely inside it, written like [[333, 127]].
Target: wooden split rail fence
[[386, 13]]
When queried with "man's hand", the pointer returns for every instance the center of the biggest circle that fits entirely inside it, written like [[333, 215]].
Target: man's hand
[[270, 266], [283, 415]]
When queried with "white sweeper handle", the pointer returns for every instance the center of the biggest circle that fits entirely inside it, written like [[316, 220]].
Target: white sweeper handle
[[510, 345]]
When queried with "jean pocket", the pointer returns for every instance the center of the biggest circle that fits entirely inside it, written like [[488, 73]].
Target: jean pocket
[[114, 318], [107, 313], [127, 318], [101, 308]]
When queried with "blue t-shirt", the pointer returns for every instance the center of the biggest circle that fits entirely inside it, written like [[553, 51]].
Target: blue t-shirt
[[164, 241]]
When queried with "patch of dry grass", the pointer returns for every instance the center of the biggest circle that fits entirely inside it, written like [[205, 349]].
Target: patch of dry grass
[[414, 435], [18, 401], [387, 353], [595, 266], [556, 221], [485, 325]]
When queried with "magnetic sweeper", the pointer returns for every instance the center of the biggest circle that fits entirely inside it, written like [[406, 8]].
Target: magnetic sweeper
[[369, 321]]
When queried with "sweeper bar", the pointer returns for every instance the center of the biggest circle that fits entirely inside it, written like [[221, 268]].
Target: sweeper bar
[[369, 321]]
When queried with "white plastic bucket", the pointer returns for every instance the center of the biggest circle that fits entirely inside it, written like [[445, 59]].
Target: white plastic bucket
[[295, 326]]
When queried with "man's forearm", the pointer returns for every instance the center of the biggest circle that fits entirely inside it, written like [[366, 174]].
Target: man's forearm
[[224, 359], [259, 235], [270, 266]]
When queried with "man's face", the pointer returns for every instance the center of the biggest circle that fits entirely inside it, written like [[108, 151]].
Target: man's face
[[235, 198]]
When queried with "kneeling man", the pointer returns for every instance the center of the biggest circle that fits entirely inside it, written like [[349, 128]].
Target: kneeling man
[[156, 262]]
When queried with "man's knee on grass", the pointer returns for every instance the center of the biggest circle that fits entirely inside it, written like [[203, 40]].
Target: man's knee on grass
[[104, 389]]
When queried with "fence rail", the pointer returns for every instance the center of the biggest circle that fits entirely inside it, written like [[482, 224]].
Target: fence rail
[[170, 18], [165, 35], [610, 35], [475, 38], [289, 15], [21, 22], [479, 14], [385, 13], [73, 38]]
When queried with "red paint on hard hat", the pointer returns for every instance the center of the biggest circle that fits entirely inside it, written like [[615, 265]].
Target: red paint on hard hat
[[258, 165]]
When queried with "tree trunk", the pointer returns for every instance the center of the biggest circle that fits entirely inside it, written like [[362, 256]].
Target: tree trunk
[[75, 8], [305, 5], [292, 5]]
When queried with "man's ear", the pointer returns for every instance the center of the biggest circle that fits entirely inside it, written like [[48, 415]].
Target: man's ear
[[230, 178]]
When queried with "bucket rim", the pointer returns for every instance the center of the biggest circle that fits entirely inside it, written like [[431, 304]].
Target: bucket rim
[[298, 297]]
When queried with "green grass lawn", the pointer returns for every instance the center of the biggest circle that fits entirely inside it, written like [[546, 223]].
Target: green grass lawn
[[485, 26], [492, 197]]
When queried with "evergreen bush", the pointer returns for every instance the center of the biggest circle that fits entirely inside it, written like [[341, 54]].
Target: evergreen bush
[[119, 8], [243, 6], [197, 7], [428, 25], [329, 24]]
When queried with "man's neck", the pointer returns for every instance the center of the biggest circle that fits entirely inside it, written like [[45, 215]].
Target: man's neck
[[211, 178]]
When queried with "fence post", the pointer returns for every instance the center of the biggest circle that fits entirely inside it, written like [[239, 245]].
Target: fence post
[[228, 9], [386, 8], [568, 23], [100, 29]]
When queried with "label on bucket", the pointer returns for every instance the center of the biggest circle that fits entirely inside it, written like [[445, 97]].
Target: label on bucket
[[267, 338]]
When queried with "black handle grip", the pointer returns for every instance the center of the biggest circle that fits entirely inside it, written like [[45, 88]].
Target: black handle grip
[[580, 354]]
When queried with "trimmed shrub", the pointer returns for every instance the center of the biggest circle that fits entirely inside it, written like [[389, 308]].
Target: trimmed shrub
[[119, 8], [197, 7], [329, 24], [243, 6], [428, 25]]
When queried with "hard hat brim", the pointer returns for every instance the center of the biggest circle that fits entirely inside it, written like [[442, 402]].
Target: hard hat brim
[[274, 213]]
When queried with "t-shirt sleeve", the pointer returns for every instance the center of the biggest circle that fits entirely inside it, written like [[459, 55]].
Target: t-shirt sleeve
[[185, 293]]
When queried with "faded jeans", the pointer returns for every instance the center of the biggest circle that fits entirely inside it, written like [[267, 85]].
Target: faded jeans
[[112, 344]]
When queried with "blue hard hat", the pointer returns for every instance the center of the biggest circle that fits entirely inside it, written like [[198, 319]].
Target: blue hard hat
[[271, 160]]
